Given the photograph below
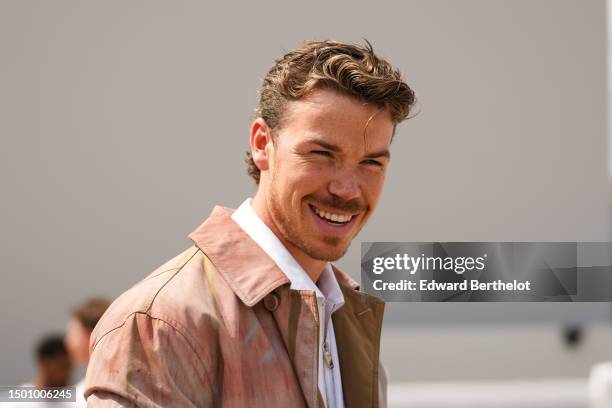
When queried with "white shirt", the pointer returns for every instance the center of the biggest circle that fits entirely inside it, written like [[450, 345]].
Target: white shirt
[[80, 390], [328, 294]]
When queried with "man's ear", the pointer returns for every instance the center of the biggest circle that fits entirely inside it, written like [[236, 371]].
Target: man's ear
[[261, 143]]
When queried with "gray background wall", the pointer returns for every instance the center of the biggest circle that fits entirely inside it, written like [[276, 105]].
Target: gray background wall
[[124, 123]]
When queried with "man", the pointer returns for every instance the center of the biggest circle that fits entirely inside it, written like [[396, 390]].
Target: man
[[53, 363], [84, 318], [254, 314], [53, 369]]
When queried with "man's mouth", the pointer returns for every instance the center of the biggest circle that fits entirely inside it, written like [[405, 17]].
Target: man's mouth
[[331, 217]]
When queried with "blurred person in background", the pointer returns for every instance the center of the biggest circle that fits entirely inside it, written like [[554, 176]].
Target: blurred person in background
[[54, 369], [84, 318], [53, 363]]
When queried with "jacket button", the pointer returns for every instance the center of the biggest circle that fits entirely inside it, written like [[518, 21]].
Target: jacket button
[[272, 301]]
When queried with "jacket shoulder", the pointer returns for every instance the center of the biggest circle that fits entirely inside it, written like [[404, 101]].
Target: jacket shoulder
[[175, 292], [167, 324]]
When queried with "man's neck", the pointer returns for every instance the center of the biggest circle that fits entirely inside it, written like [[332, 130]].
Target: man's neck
[[312, 267]]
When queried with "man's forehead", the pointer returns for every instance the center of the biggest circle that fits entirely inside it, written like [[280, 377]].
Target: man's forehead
[[348, 113]]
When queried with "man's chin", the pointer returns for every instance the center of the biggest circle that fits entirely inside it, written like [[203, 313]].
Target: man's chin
[[328, 253]]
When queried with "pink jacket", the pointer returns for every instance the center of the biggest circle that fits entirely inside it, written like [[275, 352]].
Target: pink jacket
[[218, 326]]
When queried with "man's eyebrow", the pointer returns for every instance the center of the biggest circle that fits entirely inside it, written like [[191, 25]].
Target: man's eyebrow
[[380, 153], [334, 148], [325, 145]]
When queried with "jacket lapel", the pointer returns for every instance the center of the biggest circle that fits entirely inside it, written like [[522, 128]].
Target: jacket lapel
[[298, 322], [253, 275], [246, 268], [357, 326]]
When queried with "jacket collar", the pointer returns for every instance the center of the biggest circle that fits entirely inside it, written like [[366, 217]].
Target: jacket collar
[[247, 269], [344, 279]]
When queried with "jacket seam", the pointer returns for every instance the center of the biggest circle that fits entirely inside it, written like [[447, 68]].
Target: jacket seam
[[148, 309], [184, 336], [172, 326], [158, 274]]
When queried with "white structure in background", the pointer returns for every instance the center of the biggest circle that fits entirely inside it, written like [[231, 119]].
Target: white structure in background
[[600, 386], [609, 25], [541, 393]]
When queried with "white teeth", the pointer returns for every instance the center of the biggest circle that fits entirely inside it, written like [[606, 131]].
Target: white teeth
[[333, 217]]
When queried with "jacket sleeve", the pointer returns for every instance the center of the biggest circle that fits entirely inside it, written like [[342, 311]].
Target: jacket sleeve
[[147, 362]]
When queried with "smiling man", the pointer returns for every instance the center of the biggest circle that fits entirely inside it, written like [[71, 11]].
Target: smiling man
[[254, 314], [323, 172]]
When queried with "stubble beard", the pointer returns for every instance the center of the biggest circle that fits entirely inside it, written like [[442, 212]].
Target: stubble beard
[[291, 233]]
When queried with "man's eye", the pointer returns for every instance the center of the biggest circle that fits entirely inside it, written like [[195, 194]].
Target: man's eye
[[321, 153], [372, 163]]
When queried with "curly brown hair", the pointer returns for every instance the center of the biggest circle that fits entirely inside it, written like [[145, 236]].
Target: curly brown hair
[[349, 69]]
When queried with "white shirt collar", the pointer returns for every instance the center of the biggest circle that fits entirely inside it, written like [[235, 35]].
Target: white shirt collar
[[328, 288]]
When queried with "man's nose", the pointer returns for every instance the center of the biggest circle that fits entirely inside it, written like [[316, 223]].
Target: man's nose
[[345, 185]]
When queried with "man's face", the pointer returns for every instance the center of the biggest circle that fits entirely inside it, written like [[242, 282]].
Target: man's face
[[325, 175], [77, 341]]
